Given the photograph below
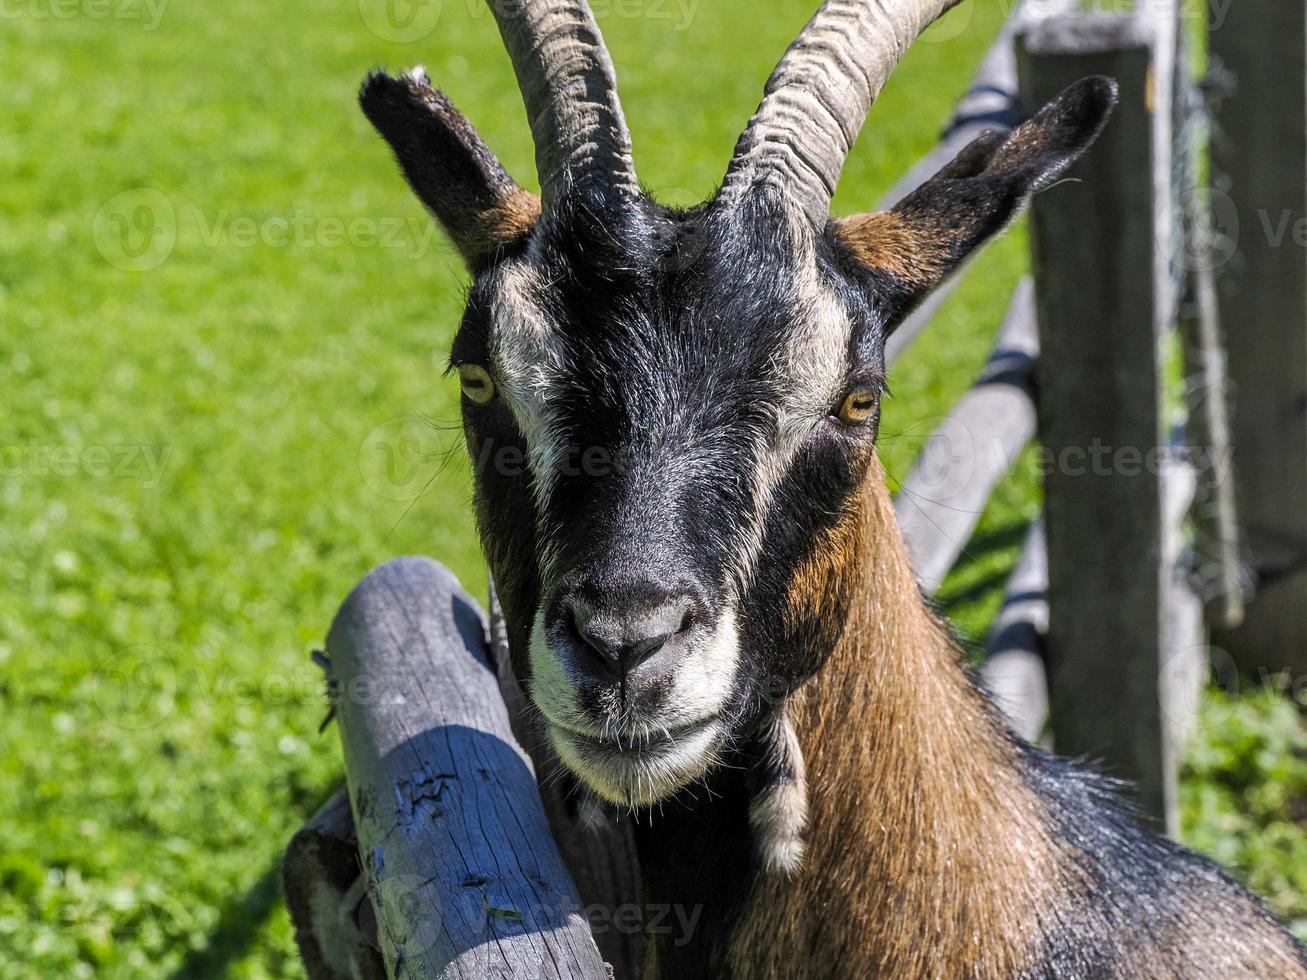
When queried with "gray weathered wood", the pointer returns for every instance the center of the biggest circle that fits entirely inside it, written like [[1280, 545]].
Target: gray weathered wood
[[1219, 570], [1013, 670], [1105, 298], [336, 925], [942, 499], [327, 898], [462, 869], [1259, 158], [1184, 634]]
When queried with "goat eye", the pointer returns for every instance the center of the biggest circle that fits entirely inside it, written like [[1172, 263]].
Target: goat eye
[[476, 383], [858, 406]]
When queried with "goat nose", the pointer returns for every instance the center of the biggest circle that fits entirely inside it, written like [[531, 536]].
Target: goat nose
[[624, 639]]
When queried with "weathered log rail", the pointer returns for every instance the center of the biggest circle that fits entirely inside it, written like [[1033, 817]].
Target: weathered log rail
[[941, 500], [455, 850], [444, 859]]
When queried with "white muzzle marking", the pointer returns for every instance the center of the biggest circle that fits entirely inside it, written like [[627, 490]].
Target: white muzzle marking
[[640, 760]]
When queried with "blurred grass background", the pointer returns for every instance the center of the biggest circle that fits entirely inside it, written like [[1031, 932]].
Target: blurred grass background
[[223, 320]]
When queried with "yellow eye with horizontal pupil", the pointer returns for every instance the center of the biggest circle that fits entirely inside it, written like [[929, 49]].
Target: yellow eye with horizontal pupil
[[858, 406], [477, 384]]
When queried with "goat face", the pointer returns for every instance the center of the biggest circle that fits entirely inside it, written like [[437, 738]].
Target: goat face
[[670, 413], [694, 403]]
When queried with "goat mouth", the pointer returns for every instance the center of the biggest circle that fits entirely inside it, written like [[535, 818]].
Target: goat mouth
[[644, 768], [649, 739]]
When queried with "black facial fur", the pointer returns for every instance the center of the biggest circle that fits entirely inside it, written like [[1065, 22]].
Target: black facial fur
[[673, 324]]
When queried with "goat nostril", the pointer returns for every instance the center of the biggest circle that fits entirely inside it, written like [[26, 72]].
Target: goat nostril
[[608, 652], [637, 653], [622, 642]]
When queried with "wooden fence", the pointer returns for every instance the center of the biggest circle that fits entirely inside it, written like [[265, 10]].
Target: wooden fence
[[1116, 363], [1110, 355]]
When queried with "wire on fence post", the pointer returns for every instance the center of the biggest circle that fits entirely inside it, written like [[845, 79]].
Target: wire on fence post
[[1259, 165]]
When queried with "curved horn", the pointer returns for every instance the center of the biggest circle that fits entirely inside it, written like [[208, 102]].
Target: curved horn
[[570, 91], [819, 95]]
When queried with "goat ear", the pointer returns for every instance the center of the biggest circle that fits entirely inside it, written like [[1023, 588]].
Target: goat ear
[[449, 166], [914, 246]]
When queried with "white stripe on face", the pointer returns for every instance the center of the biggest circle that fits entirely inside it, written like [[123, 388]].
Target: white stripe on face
[[812, 372], [528, 357]]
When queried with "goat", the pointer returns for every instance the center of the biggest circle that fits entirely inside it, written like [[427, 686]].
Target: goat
[[704, 587]]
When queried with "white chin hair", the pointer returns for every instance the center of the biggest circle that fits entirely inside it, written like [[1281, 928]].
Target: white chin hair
[[644, 774]]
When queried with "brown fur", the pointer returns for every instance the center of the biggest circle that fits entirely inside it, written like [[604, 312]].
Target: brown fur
[[511, 218], [927, 855], [885, 241], [900, 878]]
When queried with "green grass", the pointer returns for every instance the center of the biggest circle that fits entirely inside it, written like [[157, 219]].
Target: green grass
[[211, 432]]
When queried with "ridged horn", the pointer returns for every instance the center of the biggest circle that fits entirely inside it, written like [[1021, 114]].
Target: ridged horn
[[570, 91], [819, 95]]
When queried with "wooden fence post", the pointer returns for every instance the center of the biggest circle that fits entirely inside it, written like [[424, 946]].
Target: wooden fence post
[[1259, 160], [1105, 294], [327, 892], [459, 862], [327, 897]]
